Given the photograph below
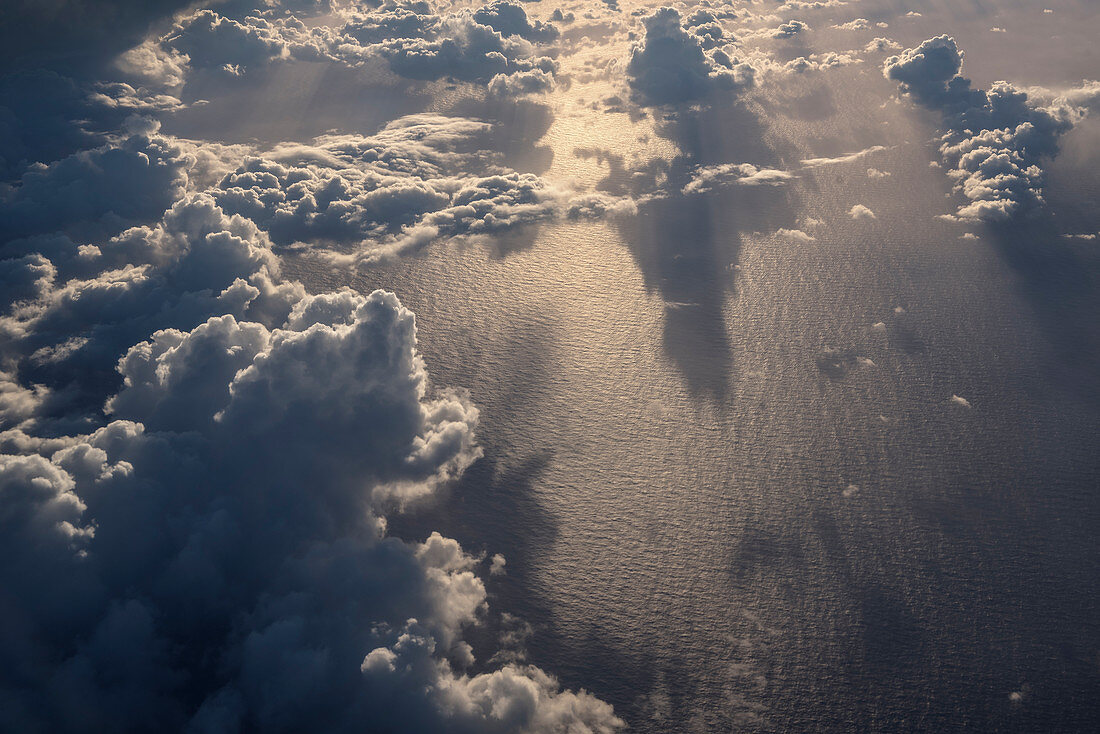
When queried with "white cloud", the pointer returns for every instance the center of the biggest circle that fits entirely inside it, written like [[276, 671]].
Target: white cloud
[[708, 178], [818, 162], [795, 235], [859, 211]]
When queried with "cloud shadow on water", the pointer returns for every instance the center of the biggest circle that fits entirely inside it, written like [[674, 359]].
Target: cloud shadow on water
[[688, 246], [1060, 280]]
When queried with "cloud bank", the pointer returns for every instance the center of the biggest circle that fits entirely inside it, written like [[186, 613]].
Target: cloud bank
[[197, 455]]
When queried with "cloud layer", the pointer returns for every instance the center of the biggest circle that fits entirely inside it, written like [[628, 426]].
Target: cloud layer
[[200, 455]]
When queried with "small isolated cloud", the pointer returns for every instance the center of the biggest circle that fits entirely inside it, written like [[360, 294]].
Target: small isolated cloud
[[859, 211], [790, 29], [818, 162], [881, 44], [708, 178], [858, 24], [876, 173], [957, 400], [795, 235]]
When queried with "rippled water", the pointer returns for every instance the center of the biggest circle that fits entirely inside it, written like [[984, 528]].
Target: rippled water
[[746, 522], [728, 470]]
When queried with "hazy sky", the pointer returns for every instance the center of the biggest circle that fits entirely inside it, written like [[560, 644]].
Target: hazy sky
[[211, 444]]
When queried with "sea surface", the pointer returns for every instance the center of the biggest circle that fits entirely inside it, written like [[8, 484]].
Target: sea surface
[[750, 482]]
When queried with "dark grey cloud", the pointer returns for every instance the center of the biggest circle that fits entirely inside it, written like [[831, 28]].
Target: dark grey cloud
[[45, 116], [112, 185], [996, 140], [670, 65], [70, 34], [216, 553], [199, 455], [790, 29]]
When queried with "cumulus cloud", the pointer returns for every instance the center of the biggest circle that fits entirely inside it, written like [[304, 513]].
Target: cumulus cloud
[[881, 44], [859, 211], [420, 178], [857, 24], [819, 62], [790, 29], [709, 178], [413, 37], [72, 34], [214, 537], [468, 45], [206, 39], [216, 556], [46, 116], [675, 63], [795, 235], [996, 139], [216, 550], [131, 182], [197, 454]]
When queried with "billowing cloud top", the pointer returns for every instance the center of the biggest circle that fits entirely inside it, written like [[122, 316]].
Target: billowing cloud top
[[996, 140], [677, 63], [197, 453]]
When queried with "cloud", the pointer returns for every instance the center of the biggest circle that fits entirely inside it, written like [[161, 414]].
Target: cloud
[[216, 556], [996, 140], [198, 454], [859, 211], [850, 158], [818, 62], [415, 39], [131, 182], [796, 235], [221, 564], [209, 40], [858, 24], [422, 177], [881, 44], [670, 65], [45, 116], [709, 178], [790, 29], [75, 35], [930, 72]]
